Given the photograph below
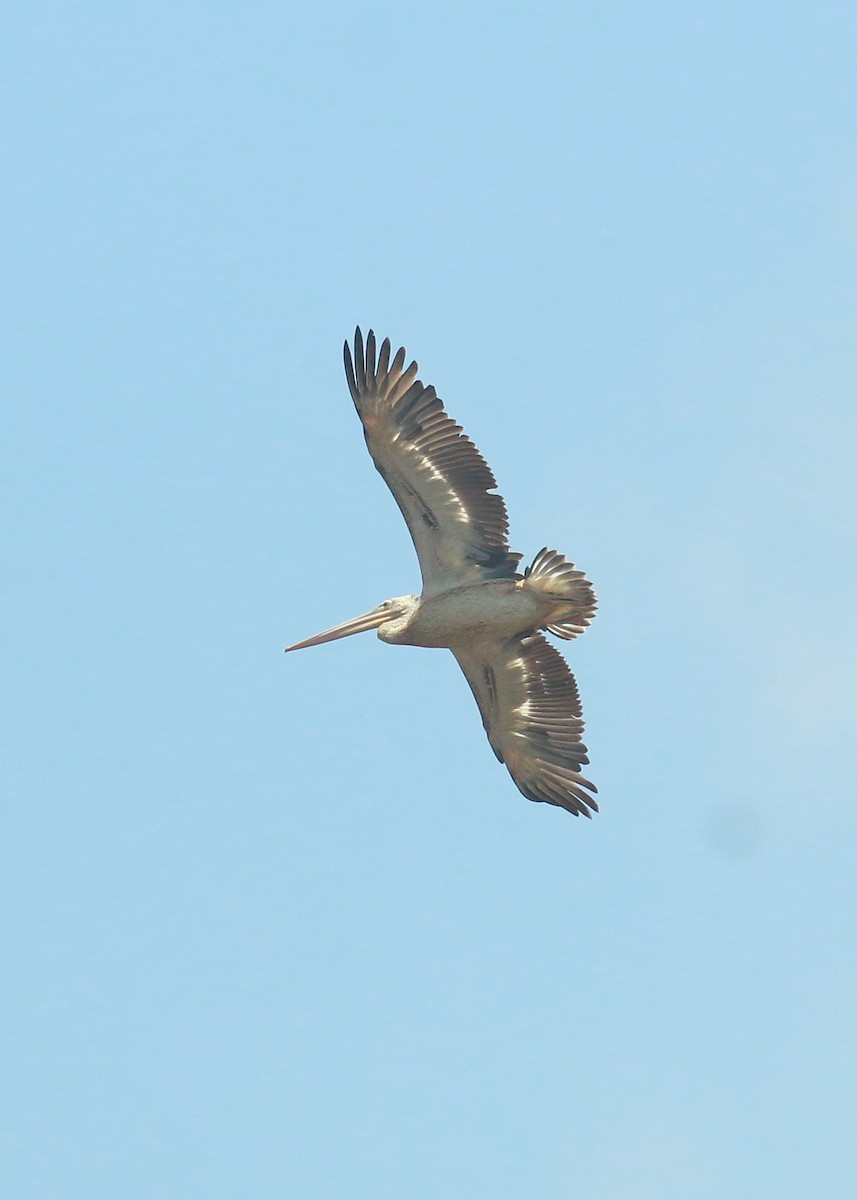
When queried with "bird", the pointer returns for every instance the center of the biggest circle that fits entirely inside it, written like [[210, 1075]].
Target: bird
[[475, 601]]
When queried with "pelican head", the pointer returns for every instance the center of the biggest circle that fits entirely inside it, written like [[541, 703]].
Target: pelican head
[[389, 618]]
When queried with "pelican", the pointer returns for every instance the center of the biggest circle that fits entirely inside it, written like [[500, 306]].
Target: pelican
[[474, 600]]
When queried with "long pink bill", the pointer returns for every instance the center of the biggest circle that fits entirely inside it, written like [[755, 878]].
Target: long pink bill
[[369, 620]]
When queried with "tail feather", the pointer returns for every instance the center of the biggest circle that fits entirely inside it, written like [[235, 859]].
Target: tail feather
[[553, 575]]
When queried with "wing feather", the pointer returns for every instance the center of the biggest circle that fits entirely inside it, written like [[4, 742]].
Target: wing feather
[[440, 481], [531, 711]]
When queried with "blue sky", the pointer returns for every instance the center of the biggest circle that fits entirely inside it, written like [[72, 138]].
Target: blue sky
[[283, 926]]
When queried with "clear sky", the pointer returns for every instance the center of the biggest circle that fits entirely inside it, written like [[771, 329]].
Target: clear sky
[[283, 927]]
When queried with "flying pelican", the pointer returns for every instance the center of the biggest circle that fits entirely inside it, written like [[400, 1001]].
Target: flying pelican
[[474, 601]]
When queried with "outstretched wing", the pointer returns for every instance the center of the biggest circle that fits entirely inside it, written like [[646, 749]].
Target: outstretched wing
[[439, 479], [531, 712]]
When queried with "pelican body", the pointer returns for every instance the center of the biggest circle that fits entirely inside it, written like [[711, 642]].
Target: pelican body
[[474, 601], [465, 615]]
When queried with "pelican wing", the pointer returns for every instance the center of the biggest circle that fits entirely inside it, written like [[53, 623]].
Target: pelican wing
[[531, 712], [439, 479]]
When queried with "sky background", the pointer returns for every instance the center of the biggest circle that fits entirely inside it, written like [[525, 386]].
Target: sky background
[[283, 927]]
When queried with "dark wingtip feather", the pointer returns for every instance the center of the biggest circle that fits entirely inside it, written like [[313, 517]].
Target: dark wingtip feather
[[384, 357], [359, 360], [349, 371], [398, 361]]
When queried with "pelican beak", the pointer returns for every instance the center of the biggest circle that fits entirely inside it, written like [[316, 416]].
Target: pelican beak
[[369, 620]]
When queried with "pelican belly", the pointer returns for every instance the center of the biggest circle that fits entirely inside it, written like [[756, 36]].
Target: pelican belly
[[496, 608]]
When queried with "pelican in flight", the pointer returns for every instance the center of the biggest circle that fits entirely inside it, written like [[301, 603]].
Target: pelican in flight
[[474, 600]]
